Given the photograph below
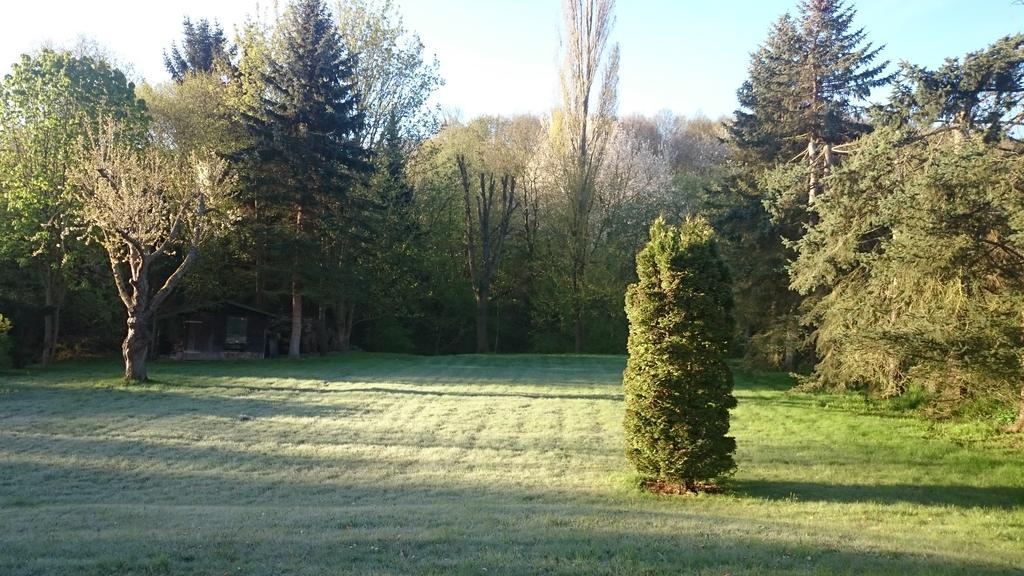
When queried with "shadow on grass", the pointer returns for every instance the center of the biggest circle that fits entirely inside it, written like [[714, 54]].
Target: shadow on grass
[[170, 401], [305, 527], [998, 497], [408, 391], [545, 370]]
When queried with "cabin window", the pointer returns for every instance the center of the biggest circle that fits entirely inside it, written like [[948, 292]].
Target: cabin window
[[235, 336]]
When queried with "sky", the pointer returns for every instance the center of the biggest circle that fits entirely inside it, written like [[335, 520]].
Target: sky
[[501, 56]]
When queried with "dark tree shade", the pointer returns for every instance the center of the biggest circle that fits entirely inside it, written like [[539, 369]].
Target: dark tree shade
[[203, 47], [677, 385]]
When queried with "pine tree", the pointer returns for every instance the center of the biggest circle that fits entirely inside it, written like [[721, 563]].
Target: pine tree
[[981, 93], [917, 259], [307, 130], [677, 385]]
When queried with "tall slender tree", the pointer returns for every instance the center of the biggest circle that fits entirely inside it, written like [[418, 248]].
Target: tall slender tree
[[677, 385], [308, 130], [589, 83], [488, 216]]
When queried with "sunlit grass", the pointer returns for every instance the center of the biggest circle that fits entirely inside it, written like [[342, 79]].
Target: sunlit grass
[[469, 465]]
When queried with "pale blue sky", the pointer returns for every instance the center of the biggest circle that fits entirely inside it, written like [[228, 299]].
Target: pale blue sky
[[500, 56]]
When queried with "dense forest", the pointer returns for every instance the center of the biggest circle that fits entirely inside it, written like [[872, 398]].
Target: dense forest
[[871, 215]]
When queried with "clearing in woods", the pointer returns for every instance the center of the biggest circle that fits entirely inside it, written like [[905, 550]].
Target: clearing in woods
[[381, 464]]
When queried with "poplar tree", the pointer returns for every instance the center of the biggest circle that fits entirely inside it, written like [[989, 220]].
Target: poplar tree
[[589, 82]]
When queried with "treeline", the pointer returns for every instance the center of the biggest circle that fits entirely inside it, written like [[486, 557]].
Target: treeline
[[343, 203], [297, 167]]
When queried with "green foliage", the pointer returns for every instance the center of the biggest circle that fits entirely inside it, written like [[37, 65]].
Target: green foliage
[[204, 49], [6, 345], [678, 387], [981, 92], [393, 78], [916, 265], [913, 273], [50, 103]]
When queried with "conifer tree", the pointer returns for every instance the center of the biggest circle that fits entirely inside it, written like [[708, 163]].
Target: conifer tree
[[677, 385], [917, 259], [203, 48], [307, 130], [806, 86], [804, 100]]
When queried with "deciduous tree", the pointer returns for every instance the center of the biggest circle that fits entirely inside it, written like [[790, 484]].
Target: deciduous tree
[[49, 101], [145, 207], [589, 87]]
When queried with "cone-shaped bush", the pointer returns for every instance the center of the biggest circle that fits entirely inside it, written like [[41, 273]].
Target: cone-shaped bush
[[677, 385]]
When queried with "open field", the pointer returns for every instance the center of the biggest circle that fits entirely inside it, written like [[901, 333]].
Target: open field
[[373, 464]]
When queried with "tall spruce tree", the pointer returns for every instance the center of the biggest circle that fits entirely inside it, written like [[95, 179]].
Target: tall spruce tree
[[677, 385], [307, 131], [804, 99], [806, 90]]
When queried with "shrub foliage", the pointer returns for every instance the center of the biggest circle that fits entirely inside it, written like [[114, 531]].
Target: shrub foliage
[[678, 387]]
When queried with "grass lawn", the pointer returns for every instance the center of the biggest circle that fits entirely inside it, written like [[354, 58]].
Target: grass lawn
[[375, 464]]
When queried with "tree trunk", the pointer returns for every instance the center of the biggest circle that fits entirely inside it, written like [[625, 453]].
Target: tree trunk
[[321, 330], [812, 160], [577, 313], [135, 349], [482, 297], [295, 343], [51, 319], [1018, 426], [342, 327], [497, 324]]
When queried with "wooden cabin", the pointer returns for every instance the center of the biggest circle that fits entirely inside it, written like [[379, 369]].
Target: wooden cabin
[[214, 331]]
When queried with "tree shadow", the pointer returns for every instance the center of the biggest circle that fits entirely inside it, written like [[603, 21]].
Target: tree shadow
[[170, 401], [962, 496], [247, 523], [407, 391]]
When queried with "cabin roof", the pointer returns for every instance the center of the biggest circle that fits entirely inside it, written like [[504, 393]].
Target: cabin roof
[[211, 306]]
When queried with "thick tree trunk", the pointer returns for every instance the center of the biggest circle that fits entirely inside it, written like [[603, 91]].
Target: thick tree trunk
[[1018, 426], [295, 343], [135, 349], [482, 297]]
